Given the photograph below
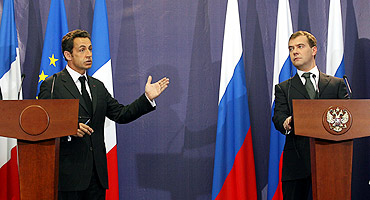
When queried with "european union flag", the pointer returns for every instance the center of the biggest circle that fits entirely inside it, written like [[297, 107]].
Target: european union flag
[[52, 60]]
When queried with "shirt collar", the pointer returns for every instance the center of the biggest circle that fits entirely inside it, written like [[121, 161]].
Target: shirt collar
[[75, 75], [314, 70]]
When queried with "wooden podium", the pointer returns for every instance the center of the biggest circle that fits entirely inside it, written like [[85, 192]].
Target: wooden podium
[[38, 124], [332, 125]]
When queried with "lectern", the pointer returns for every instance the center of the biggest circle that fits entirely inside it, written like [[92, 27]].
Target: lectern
[[38, 125], [331, 125]]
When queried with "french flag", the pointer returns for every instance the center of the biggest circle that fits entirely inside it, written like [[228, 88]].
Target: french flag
[[102, 70], [335, 49], [234, 174], [283, 70], [10, 82]]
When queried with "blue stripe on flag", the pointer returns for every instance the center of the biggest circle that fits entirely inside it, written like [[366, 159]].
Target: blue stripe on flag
[[8, 38], [287, 71], [100, 37], [232, 126], [276, 149], [340, 71]]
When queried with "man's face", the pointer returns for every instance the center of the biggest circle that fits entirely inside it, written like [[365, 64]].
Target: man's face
[[81, 58], [301, 54]]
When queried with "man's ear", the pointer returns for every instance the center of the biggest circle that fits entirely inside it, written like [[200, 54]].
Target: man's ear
[[67, 55], [314, 50]]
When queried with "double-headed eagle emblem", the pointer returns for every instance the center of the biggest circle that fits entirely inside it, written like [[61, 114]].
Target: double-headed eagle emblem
[[337, 119]]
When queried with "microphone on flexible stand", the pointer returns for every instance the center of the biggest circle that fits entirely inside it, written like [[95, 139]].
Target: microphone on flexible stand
[[347, 86], [20, 87], [289, 105], [52, 95], [52, 86]]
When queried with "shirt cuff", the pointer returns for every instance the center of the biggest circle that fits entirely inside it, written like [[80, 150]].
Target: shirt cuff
[[151, 102]]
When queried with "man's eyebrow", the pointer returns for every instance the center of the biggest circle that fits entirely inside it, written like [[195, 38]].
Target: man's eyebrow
[[296, 44]]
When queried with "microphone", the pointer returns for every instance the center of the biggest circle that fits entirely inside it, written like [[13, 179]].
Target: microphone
[[52, 86], [20, 86], [347, 86], [289, 86], [289, 105]]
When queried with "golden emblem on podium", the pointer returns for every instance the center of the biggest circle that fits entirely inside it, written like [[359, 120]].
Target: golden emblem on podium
[[337, 120]]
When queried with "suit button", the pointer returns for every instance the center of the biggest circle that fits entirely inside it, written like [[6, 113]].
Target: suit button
[[91, 148]]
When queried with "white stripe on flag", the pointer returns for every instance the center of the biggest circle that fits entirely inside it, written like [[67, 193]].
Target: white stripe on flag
[[284, 29], [104, 74], [11, 80], [335, 48], [10, 84], [6, 145], [232, 46]]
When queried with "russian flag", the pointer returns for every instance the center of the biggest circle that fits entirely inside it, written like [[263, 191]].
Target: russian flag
[[283, 70], [335, 49], [102, 70], [10, 81], [234, 171]]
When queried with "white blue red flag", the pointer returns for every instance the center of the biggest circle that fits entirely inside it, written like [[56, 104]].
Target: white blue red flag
[[234, 174], [283, 70], [10, 82], [102, 70], [335, 49]]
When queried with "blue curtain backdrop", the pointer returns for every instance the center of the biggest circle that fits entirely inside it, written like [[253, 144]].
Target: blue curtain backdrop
[[169, 153]]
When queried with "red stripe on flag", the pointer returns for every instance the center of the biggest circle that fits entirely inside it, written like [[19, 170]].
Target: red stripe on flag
[[9, 179], [279, 190], [241, 181], [113, 191]]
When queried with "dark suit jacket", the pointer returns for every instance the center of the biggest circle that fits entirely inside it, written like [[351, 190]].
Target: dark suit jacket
[[296, 157], [77, 156]]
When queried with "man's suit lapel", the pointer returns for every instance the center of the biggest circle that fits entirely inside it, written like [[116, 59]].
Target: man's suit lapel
[[298, 85], [72, 88], [323, 82]]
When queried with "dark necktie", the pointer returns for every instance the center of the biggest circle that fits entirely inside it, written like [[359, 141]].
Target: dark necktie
[[309, 86], [85, 95]]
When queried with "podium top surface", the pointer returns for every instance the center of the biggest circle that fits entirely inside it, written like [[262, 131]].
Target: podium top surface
[[332, 119], [35, 120]]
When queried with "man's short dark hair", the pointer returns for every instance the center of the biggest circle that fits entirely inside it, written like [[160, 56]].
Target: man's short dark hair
[[67, 41], [311, 39]]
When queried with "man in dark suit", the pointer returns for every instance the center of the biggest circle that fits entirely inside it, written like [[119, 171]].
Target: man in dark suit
[[83, 163], [308, 83]]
